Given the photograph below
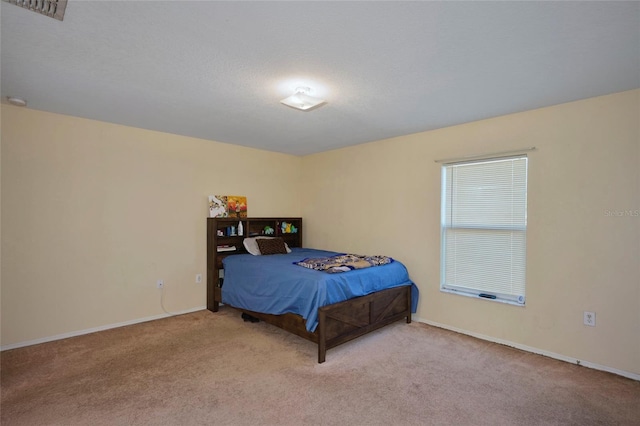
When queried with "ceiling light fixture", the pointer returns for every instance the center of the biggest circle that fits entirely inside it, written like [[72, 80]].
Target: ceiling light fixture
[[16, 101], [301, 100]]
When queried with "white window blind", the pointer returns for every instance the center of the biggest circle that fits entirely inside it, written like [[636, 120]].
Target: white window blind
[[484, 228]]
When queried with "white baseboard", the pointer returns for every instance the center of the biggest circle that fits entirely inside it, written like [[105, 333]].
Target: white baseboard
[[526, 348], [101, 328]]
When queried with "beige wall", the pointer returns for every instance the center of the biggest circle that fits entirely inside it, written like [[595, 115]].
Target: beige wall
[[94, 213], [384, 198]]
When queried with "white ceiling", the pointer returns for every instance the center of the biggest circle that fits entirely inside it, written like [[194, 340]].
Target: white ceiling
[[217, 70]]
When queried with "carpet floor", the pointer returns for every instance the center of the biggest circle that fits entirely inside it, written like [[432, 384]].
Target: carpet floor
[[215, 369]]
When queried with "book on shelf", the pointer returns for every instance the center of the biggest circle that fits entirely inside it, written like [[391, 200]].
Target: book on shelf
[[226, 247]]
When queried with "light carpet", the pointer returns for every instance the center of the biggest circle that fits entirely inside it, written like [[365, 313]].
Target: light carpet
[[210, 368]]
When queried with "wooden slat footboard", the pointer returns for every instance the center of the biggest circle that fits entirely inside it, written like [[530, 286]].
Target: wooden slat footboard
[[340, 322], [343, 321]]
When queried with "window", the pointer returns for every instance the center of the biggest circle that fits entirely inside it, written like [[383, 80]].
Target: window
[[484, 228]]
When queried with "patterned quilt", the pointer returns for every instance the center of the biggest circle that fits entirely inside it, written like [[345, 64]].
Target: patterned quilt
[[343, 262]]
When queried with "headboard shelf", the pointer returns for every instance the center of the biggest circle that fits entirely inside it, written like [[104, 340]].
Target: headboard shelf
[[223, 240]]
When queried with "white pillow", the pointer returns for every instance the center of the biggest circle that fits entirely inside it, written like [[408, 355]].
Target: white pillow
[[252, 246]]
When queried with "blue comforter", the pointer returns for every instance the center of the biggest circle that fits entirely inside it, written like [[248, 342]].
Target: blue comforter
[[274, 285]]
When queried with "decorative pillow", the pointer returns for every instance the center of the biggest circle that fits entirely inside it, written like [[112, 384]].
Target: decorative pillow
[[251, 245], [271, 246]]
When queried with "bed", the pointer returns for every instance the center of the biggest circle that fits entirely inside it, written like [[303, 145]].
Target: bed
[[326, 308]]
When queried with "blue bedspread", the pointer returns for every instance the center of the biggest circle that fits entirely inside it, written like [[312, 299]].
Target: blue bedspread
[[274, 285]]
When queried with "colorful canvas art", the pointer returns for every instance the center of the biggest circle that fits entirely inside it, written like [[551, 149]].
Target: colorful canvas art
[[236, 206], [218, 206], [227, 206]]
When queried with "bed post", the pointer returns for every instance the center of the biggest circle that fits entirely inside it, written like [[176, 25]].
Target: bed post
[[408, 304], [322, 336]]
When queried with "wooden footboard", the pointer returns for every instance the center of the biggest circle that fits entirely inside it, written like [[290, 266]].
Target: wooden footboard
[[344, 321], [340, 322]]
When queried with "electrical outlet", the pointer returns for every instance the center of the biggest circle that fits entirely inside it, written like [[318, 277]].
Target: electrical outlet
[[590, 318], [198, 278], [160, 284]]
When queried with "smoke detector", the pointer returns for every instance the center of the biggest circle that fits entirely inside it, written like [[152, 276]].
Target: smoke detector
[[16, 101], [51, 8]]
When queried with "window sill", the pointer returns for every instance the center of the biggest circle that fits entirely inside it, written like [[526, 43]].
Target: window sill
[[475, 296]]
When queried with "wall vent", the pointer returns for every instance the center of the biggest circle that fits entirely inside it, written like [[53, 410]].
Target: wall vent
[[52, 8]]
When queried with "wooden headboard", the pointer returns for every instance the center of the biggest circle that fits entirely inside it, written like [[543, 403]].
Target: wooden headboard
[[223, 240]]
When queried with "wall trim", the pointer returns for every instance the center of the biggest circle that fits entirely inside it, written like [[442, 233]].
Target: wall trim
[[537, 351], [100, 328]]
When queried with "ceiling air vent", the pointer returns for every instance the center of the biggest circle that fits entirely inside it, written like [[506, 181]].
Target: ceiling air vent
[[51, 8]]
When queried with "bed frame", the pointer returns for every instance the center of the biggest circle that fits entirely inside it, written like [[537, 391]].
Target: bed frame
[[343, 321], [337, 323]]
